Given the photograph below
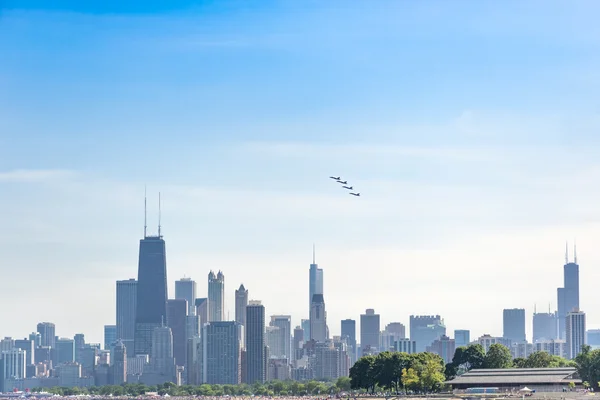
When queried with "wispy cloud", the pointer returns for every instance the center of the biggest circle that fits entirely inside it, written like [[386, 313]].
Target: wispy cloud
[[35, 175]]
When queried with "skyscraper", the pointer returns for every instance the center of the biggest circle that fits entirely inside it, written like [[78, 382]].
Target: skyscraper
[[575, 332], [545, 327], [349, 333], [216, 297], [177, 321], [65, 351], [221, 353], [462, 337], [110, 336], [119, 361], [255, 343], [126, 302], [241, 301], [369, 330], [151, 304], [284, 323], [425, 329], [318, 319], [315, 281], [568, 295], [185, 289], [161, 359], [202, 310], [47, 331], [514, 325]]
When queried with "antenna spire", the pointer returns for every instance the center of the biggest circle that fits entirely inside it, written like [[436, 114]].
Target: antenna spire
[[534, 308], [314, 254], [145, 213], [159, 215], [575, 252], [567, 253]]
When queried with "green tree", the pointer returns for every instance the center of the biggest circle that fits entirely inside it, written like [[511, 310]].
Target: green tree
[[362, 374], [432, 376], [410, 379], [498, 356], [588, 364], [344, 384]]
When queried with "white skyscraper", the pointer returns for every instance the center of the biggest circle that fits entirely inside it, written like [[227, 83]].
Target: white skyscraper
[[575, 330], [284, 323], [14, 364]]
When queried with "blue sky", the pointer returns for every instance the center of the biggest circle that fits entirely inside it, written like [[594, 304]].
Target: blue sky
[[470, 128]]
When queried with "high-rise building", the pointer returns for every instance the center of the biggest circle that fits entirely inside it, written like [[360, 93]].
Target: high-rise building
[[202, 310], [65, 351], [221, 353], [110, 336], [37, 339], [12, 366], [370, 326], [545, 327], [162, 359], [255, 343], [390, 335], [593, 338], [424, 329], [444, 347], [177, 320], [349, 334], [514, 325], [151, 304], [315, 282], [318, 319], [47, 331], [126, 306], [185, 289], [216, 297], [462, 338], [568, 295], [26, 345], [284, 323], [119, 361], [298, 342], [241, 301], [575, 331]]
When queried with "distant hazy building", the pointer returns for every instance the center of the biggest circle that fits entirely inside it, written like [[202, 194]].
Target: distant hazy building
[[462, 337], [369, 329], [110, 336], [162, 362], [444, 347], [405, 346], [327, 361], [241, 301], [392, 332], [151, 303], [12, 366], [593, 338], [65, 350], [575, 325], [545, 327], [216, 297], [349, 334], [284, 323], [298, 342], [424, 329], [126, 306], [202, 309], [177, 320], [185, 289], [315, 285], [568, 295], [514, 325], [119, 361], [255, 343], [26, 345], [487, 340], [318, 321], [47, 331], [221, 353], [555, 347]]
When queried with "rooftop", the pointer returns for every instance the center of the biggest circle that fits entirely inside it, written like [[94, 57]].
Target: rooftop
[[518, 376]]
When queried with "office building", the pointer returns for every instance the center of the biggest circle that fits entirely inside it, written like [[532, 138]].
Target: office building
[[126, 306], [424, 329], [151, 304], [370, 327], [119, 363], [27, 346], [315, 283], [444, 347], [221, 353], [185, 289], [575, 332], [241, 301], [298, 343], [202, 310], [568, 295], [12, 366], [348, 333], [162, 360], [462, 337], [255, 343], [545, 327], [318, 321], [593, 338], [284, 323], [405, 346], [216, 297], [110, 336], [514, 325], [47, 331], [177, 320], [65, 351]]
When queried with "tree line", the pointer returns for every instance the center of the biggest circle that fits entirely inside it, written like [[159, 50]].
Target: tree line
[[426, 372], [274, 388]]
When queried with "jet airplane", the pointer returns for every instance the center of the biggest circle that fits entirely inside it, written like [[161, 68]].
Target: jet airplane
[[342, 182], [337, 178], [348, 187], [355, 194]]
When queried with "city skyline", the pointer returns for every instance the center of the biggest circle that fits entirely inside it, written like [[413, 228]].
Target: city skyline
[[467, 165]]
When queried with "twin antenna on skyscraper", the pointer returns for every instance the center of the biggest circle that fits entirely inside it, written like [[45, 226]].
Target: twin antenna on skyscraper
[[146, 215]]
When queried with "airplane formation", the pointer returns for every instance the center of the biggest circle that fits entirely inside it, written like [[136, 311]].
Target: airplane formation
[[344, 185]]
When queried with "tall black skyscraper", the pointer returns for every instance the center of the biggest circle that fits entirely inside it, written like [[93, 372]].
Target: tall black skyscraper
[[568, 295], [126, 304], [151, 305], [255, 343]]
